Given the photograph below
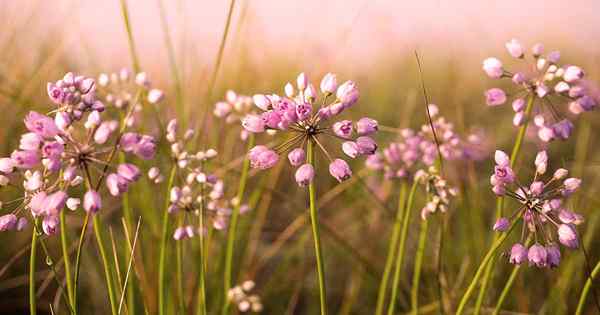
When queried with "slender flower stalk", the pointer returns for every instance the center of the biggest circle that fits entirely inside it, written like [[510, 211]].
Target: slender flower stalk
[[162, 281], [401, 246], [414, 292], [67, 261], [390, 258], [314, 219], [179, 270], [201, 301], [231, 232], [106, 264], [32, 268], [586, 289], [509, 283]]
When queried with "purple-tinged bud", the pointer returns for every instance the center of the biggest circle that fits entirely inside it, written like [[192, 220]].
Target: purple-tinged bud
[[499, 190], [336, 108], [253, 123], [271, 118], [6, 165], [495, 97], [366, 126], [175, 194], [262, 101], [104, 131], [50, 225], [366, 145], [374, 162], [519, 119], [42, 125], [560, 174], [93, 120], [515, 48], [179, 234], [563, 129], [222, 109], [567, 236], [572, 74], [340, 170], [571, 185], [62, 120], [303, 111], [553, 56], [142, 80], [310, 93], [493, 68], [343, 129], [324, 113], [568, 217], [92, 202], [536, 188], [350, 148], [586, 103], [8, 222], [262, 158], [541, 162], [501, 158], [519, 78], [518, 105], [116, 184], [146, 148], [25, 159], [73, 203], [537, 256], [155, 96], [54, 203], [504, 174], [302, 81], [562, 87], [52, 149], [553, 255], [542, 90], [129, 171], [37, 204], [30, 141], [347, 93], [546, 134], [501, 225], [297, 156], [329, 83], [289, 90], [55, 93], [305, 174], [22, 224], [518, 254], [537, 50]]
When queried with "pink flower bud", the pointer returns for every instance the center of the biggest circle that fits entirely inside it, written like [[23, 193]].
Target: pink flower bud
[[8, 222], [302, 81], [116, 184], [146, 148], [519, 119], [297, 156], [104, 131], [567, 236], [30, 141], [553, 56], [518, 105], [343, 129], [22, 224], [518, 254], [563, 129], [54, 203], [92, 202], [560, 174], [155, 96], [541, 162], [538, 256], [253, 123], [329, 83], [262, 158], [501, 225], [366, 126], [514, 48], [42, 125], [571, 185], [62, 120], [350, 148], [493, 68], [129, 171], [553, 256], [304, 111], [546, 134], [340, 170], [305, 174], [6, 165], [261, 101], [501, 158], [499, 190], [347, 93], [572, 73], [50, 225], [289, 90], [495, 97], [536, 188], [518, 78], [37, 204], [25, 159], [366, 145], [537, 50]]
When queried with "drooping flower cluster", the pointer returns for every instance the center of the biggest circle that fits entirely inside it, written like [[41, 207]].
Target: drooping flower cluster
[[415, 149], [234, 108], [118, 89], [542, 210], [439, 193], [300, 115], [547, 83], [65, 151], [201, 193], [240, 295]]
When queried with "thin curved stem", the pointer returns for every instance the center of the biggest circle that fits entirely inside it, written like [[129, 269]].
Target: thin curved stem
[[231, 231], [401, 246], [162, 282], [480, 270], [201, 303], [78, 260], [389, 261], [32, 267], [67, 261], [500, 201], [314, 219], [179, 270], [586, 289], [106, 264], [414, 292]]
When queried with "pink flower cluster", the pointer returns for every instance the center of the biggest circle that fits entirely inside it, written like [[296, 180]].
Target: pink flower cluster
[[439, 192], [299, 113], [543, 210], [234, 108], [547, 83]]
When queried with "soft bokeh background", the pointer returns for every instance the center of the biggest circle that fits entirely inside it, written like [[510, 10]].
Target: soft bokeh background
[[269, 42]]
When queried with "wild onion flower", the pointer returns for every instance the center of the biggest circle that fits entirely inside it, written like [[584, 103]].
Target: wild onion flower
[[542, 209], [545, 82], [304, 117], [439, 193], [240, 295], [58, 154], [234, 108], [201, 192]]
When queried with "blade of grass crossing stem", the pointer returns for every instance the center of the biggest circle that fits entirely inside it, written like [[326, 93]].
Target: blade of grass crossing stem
[[314, 218], [106, 264], [401, 247], [389, 261], [162, 281], [500, 201], [414, 292], [130, 263], [231, 231]]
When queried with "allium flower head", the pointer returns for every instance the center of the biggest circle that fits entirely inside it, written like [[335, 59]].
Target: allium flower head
[[549, 84], [439, 192], [303, 116], [542, 209]]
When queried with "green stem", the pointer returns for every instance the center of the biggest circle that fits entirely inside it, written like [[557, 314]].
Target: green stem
[[314, 219], [514, 155], [78, 260], [401, 246], [509, 283], [163, 246], [132, 50], [586, 289], [414, 292], [106, 264], [480, 270], [179, 270], [67, 261], [389, 261], [201, 304], [231, 231], [32, 265]]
